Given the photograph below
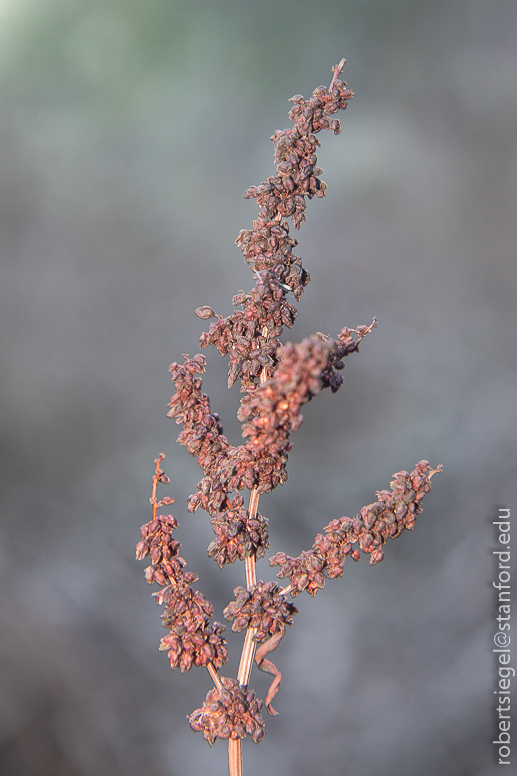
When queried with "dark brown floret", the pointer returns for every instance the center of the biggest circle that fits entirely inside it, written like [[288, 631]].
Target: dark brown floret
[[272, 411]]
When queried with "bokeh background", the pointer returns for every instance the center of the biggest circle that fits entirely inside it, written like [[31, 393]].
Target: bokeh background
[[128, 131]]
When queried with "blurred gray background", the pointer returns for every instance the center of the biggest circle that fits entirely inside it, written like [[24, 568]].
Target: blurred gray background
[[128, 131]]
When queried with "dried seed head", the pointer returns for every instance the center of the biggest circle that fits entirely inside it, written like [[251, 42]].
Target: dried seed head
[[393, 512], [277, 381], [267, 247], [269, 415], [238, 536], [263, 607], [233, 712], [192, 639]]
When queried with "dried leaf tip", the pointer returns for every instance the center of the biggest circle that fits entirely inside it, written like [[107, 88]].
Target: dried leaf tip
[[336, 70]]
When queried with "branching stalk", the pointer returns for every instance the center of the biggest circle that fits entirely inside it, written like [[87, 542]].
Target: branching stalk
[[277, 381]]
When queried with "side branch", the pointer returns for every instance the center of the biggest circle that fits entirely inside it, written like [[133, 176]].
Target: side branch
[[192, 639], [394, 512]]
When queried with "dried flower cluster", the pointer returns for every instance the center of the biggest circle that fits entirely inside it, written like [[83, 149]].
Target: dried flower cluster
[[238, 535], [387, 518], [231, 712], [192, 638], [273, 409], [269, 414], [276, 382], [250, 335], [263, 608]]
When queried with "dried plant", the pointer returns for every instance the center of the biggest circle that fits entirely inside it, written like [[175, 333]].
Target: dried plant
[[276, 381]]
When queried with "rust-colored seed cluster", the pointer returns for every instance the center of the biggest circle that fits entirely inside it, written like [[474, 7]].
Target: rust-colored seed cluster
[[276, 382], [157, 543], [272, 411], [395, 511], [269, 414], [232, 712], [193, 639], [238, 536], [250, 335], [263, 608]]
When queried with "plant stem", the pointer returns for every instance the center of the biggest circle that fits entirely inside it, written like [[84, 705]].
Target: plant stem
[[153, 500], [215, 676], [249, 646], [248, 649], [234, 756], [248, 653], [336, 70]]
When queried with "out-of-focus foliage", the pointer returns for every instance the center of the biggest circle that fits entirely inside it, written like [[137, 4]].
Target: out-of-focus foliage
[[128, 131]]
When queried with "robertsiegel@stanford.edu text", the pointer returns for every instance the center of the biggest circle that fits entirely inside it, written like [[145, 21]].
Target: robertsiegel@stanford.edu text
[[505, 672]]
